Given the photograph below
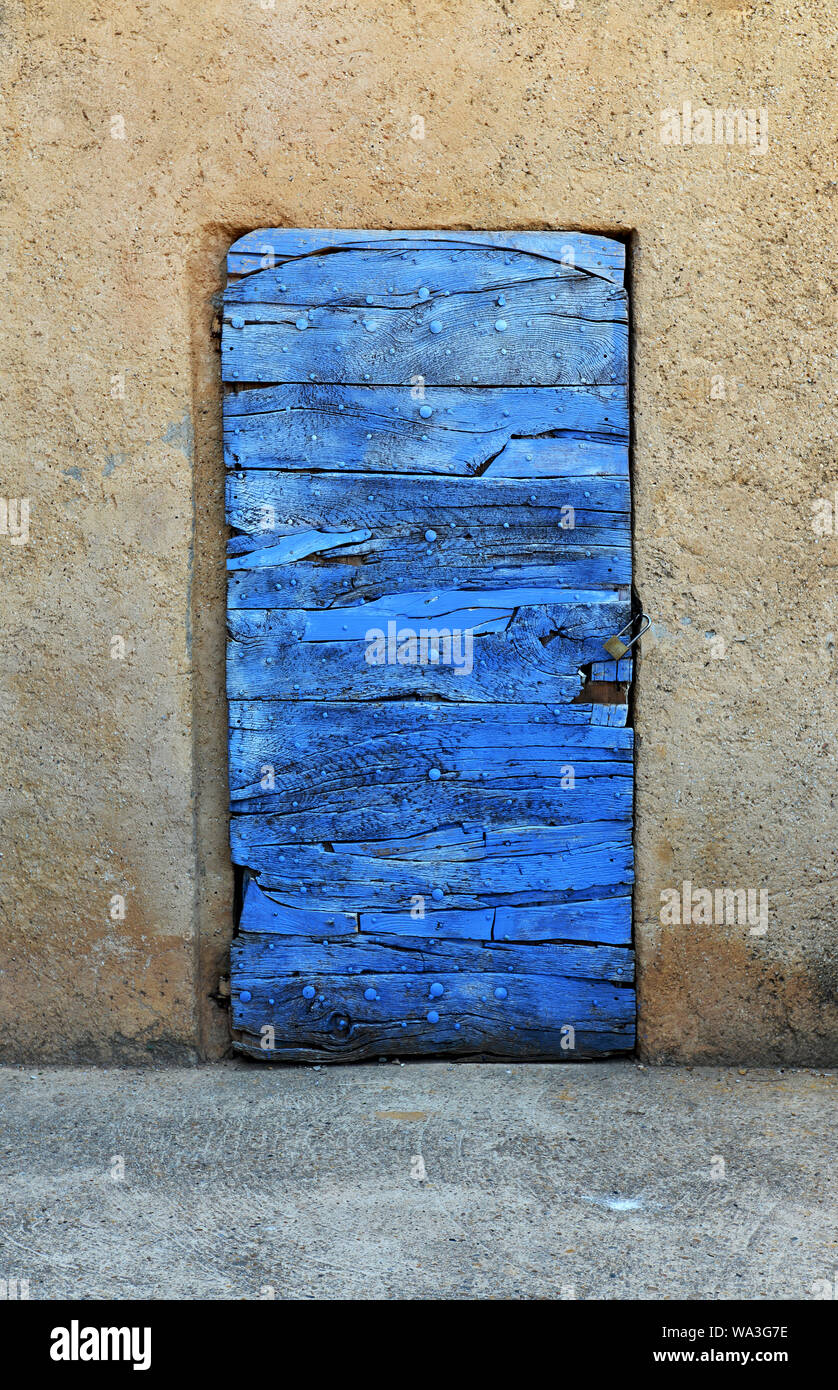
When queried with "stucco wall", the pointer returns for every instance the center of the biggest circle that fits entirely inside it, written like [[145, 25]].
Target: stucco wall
[[140, 140]]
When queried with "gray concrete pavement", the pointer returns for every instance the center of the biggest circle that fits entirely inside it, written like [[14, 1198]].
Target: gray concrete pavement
[[603, 1180]]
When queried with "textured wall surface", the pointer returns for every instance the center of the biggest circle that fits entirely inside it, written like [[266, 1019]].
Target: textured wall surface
[[139, 141]]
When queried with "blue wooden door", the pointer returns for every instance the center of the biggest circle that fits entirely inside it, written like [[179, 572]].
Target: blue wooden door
[[426, 437]]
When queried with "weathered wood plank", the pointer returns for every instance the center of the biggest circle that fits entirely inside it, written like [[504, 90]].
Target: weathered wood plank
[[573, 431], [465, 867], [267, 502], [414, 736], [389, 347], [259, 250], [261, 956], [504, 529], [512, 654], [355, 773], [265, 715], [460, 924], [407, 723], [351, 1017], [402, 537], [598, 791], [609, 716], [457, 609], [370, 573], [612, 670], [554, 457], [612, 715], [605, 920], [515, 796], [372, 282], [263, 913]]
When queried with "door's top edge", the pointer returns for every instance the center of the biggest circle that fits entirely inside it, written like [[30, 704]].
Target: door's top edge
[[266, 246]]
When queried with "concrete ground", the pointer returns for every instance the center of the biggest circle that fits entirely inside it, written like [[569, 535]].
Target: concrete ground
[[420, 1180]]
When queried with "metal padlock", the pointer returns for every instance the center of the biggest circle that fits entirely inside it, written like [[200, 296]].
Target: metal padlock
[[617, 648]]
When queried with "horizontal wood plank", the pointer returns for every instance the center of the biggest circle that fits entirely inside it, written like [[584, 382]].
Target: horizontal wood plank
[[262, 912], [349, 1017], [389, 800], [465, 866], [269, 502], [264, 715], [363, 537], [419, 732], [540, 348], [371, 572], [516, 653], [603, 920], [344, 771], [574, 431], [372, 282], [259, 250], [261, 956]]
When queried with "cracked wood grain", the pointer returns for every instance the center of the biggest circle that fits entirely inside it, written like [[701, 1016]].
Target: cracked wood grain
[[380, 1014], [526, 432], [589, 255]]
